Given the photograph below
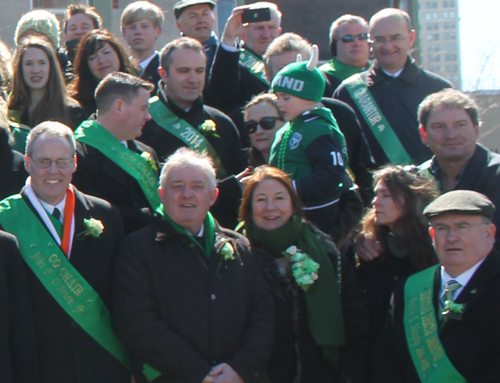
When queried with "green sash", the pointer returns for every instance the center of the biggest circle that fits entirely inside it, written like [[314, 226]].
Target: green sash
[[70, 290], [254, 64], [93, 134], [421, 328], [376, 120], [191, 136]]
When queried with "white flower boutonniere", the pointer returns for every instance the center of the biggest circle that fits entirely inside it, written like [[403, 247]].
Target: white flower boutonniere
[[93, 228], [304, 269], [149, 158], [209, 128], [227, 253]]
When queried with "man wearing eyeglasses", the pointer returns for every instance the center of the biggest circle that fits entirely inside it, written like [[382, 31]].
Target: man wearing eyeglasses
[[349, 48], [444, 321], [68, 241], [386, 96]]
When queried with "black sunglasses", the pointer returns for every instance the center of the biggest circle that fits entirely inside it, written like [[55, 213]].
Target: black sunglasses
[[266, 123], [350, 38]]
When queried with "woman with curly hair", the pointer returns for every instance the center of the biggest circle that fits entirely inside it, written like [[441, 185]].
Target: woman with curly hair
[[98, 54], [39, 90], [396, 222], [321, 318]]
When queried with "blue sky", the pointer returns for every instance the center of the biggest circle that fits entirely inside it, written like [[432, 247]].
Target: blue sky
[[480, 43]]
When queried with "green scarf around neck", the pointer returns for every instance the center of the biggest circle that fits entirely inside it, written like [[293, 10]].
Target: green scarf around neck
[[208, 227], [324, 309]]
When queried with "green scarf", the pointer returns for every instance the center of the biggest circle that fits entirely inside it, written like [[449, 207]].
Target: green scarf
[[209, 230], [324, 310], [337, 68]]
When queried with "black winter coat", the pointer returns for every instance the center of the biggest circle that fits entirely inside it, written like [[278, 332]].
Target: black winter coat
[[398, 99], [295, 353], [184, 313]]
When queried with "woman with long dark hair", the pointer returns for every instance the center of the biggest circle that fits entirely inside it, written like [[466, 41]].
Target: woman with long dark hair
[[39, 90], [397, 223], [98, 54], [321, 318]]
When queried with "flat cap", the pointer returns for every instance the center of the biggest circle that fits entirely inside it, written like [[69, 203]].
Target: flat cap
[[460, 202], [181, 6]]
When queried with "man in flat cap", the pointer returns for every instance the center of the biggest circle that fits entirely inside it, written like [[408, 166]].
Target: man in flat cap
[[444, 325], [195, 19]]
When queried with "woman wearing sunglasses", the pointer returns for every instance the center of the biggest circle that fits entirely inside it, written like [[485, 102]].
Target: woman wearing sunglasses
[[262, 120]]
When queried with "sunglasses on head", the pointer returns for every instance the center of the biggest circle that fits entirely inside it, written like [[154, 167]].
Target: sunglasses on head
[[266, 123], [351, 38]]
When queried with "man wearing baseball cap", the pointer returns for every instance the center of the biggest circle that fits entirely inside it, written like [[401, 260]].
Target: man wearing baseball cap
[[444, 325]]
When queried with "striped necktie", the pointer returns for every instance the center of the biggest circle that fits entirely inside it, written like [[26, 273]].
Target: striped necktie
[[449, 290]]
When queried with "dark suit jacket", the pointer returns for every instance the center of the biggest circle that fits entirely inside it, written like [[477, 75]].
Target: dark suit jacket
[[99, 176], [66, 352], [18, 357], [151, 73], [472, 344]]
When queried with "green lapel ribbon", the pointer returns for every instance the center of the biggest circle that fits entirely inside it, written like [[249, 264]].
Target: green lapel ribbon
[[70, 290], [255, 65], [178, 127], [421, 329], [376, 120], [91, 133], [339, 69], [324, 308]]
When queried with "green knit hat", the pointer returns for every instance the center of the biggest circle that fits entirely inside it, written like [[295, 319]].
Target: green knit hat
[[301, 79]]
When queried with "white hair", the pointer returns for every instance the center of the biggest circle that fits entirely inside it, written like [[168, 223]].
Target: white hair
[[185, 157]]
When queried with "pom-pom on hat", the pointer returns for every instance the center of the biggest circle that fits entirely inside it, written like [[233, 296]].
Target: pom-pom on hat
[[40, 21], [301, 79]]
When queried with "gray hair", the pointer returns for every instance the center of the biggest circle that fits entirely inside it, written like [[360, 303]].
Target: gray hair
[[185, 157], [344, 19], [52, 129]]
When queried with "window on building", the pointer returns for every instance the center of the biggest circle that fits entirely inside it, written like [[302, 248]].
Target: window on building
[[436, 36], [429, 27], [452, 15], [451, 3], [427, 16], [437, 58], [446, 26], [429, 37], [452, 25], [428, 5], [429, 48], [435, 16], [447, 57], [434, 4], [431, 58], [436, 26], [453, 36], [448, 68], [446, 36], [445, 4], [437, 48], [445, 15], [454, 57]]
